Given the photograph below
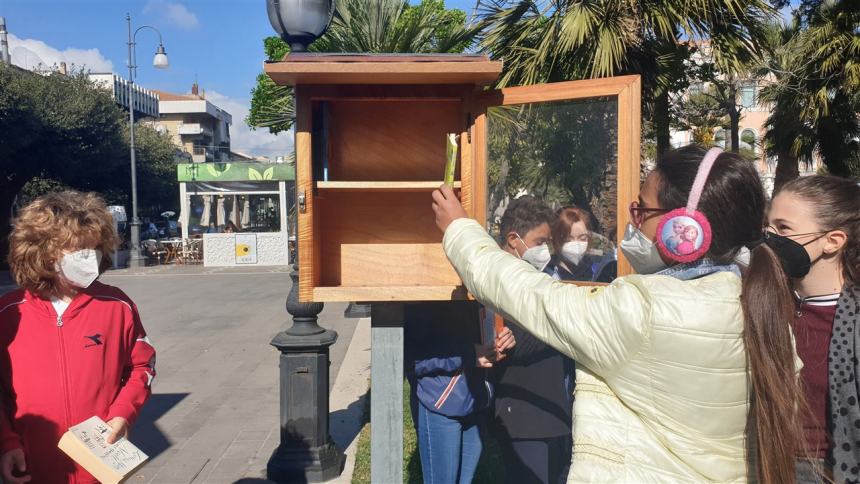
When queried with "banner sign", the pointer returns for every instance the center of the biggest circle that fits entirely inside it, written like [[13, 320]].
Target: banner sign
[[227, 172]]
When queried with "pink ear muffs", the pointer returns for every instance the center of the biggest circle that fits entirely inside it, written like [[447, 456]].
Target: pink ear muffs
[[684, 234]]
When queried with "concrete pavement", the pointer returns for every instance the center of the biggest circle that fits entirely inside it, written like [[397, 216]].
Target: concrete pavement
[[213, 416]]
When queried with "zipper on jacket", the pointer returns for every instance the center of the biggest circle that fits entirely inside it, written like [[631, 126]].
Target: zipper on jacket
[[64, 371]]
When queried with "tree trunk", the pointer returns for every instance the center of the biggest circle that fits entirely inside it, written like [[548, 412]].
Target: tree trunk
[[497, 194], [735, 120], [661, 122], [786, 169]]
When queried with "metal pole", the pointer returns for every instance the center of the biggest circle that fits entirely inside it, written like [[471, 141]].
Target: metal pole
[[134, 260], [4, 43]]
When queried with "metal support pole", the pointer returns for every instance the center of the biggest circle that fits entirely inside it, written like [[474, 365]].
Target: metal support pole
[[134, 259], [386, 390]]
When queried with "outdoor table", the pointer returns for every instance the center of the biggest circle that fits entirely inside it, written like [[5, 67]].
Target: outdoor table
[[173, 248]]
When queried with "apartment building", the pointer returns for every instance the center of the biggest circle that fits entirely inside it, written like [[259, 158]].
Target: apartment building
[[752, 125], [196, 125]]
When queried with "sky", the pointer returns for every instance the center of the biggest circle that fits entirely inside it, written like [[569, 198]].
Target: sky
[[218, 43]]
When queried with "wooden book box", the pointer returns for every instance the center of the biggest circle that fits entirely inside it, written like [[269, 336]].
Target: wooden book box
[[370, 148]]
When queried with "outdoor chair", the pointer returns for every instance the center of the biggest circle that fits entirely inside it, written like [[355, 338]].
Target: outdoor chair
[[192, 251], [153, 251]]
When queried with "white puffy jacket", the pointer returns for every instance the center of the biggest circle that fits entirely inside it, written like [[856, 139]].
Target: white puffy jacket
[[662, 389]]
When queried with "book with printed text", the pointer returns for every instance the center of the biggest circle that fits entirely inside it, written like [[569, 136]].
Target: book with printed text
[[86, 443]]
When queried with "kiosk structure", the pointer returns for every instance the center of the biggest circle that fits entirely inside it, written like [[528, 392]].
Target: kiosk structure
[[370, 148]]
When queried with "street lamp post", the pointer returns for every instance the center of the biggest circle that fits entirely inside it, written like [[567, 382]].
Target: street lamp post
[[159, 62], [306, 452]]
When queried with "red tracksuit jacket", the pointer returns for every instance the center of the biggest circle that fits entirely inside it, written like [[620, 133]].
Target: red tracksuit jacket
[[56, 372]]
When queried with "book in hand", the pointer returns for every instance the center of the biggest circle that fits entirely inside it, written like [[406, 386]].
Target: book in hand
[[451, 158], [86, 443]]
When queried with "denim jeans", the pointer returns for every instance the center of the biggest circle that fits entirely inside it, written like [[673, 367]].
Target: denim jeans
[[449, 447]]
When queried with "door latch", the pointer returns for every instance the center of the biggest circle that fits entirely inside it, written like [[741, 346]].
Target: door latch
[[302, 207]]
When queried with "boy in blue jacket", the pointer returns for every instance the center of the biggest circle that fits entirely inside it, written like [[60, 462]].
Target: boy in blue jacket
[[448, 351]]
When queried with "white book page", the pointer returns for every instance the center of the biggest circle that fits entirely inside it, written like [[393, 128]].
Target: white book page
[[122, 456]]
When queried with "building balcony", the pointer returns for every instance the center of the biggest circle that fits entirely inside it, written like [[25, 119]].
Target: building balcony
[[201, 154], [194, 129]]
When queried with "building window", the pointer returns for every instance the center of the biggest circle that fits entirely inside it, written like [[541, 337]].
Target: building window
[[748, 95], [749, 140], [720, 138]]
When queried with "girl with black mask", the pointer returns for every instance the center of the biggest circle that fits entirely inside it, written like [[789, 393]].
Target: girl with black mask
[[814, 227]]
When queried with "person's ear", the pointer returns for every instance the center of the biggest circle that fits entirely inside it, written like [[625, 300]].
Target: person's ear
[[512, 240], [835, 241]]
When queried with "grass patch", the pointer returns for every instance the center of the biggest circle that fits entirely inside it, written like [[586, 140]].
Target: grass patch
[[490, 468]]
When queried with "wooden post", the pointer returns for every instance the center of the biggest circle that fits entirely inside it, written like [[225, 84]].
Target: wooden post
[[386, 389]]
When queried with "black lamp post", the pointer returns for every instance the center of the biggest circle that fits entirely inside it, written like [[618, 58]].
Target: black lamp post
[[300, 22], [306, 452]]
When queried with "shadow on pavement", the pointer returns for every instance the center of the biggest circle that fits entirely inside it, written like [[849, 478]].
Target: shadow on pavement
[[145, 434], [345, 424]]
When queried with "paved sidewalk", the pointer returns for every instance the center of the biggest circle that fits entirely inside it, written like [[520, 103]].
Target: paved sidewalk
[[213, 416], [214, 413]]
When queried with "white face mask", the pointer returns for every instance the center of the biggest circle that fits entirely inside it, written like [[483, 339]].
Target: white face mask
[[641, 252], [537, 256], [81, 267], [573, 251]]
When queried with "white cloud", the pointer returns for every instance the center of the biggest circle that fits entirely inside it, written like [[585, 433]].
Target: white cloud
[[242, 138], [30, 53], [172, 13]]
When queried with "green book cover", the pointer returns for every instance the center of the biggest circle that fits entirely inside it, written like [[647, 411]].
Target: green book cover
[[451, 162]]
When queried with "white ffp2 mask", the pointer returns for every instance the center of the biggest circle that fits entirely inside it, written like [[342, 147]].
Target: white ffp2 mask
[[538, 256], [81, 267], [642, 254], [573, 251]]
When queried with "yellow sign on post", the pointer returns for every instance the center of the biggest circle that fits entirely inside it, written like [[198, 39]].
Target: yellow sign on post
[[246, 248]]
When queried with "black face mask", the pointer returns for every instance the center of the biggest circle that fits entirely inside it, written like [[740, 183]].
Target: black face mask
[[795, 260]]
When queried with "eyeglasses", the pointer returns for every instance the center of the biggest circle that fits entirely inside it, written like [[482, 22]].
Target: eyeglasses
[[770, 230], [639, 214]]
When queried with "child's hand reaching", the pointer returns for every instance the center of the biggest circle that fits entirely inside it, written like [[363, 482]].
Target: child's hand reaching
[[14, 461], [447, 207], [120, 429], [484, 356], [504, 341]]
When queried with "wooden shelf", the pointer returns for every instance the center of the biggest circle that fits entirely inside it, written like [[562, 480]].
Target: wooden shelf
[[382, 186], [389, 293]]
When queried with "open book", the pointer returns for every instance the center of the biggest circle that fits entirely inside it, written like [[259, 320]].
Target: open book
[[86, 443]]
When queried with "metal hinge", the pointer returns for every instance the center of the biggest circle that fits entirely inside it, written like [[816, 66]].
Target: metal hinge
[[302, 207], [469, 127]]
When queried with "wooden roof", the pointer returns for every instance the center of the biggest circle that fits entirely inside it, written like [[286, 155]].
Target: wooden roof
[[311, 68]]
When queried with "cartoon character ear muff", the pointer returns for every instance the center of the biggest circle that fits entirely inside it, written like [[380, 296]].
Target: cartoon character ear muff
[[684, 234]]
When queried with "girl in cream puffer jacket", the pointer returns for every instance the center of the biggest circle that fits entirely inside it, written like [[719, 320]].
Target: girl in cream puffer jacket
[[664, 376]]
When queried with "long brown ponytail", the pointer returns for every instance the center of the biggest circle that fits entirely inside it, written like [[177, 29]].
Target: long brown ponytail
[[774, 424], [733, 200]]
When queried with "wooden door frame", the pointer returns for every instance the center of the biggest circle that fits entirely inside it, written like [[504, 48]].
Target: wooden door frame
[[626, 90]]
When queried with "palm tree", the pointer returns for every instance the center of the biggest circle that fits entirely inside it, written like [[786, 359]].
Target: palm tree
[[551, 40], [365, 26], [814, 95]]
